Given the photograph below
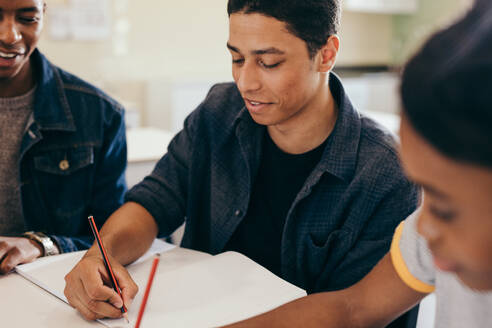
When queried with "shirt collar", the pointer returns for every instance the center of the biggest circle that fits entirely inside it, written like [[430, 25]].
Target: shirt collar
[[340, 153], [51, 108]]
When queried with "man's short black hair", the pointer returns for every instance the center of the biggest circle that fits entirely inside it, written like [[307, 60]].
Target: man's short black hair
[[313, 21], [447, 88]]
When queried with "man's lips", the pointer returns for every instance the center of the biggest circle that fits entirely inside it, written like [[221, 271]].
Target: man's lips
[[8, 58], [255, 102], [11, 53], [256, 106]]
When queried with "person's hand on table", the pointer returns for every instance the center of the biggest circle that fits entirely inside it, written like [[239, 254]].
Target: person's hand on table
[[89, 290], [17, 250]]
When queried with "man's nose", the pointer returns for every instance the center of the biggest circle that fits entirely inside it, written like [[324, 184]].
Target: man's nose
[[9, 31], [248, 79]]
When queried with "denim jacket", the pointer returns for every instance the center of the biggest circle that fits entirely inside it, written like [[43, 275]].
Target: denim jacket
[[340, 224], [72, 157]]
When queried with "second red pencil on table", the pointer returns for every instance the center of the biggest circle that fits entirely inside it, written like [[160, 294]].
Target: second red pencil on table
[[147, 290]]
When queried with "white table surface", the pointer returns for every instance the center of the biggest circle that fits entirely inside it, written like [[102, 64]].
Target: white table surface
[[23, 304], [147, 143]]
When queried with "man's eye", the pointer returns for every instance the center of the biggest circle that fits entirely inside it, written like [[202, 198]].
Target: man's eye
[[28, 19], [270, 66], [238, 61], [263, 64]]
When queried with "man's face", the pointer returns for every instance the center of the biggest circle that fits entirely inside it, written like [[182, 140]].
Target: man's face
[[21, 22], [456, 218], [272, 69]]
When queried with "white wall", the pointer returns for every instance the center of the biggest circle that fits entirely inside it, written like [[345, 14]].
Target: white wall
[[182, 40], [365, 39], [167, 39]]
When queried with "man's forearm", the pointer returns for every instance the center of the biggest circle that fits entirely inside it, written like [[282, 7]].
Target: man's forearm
[[128, 233], [375, 301], [316, 310]]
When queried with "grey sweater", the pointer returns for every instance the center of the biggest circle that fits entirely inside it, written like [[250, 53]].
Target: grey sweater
[[14, 114]]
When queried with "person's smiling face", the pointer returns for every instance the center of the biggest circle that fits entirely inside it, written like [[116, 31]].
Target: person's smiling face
[[456, 217], [21, 23], [272, 68]]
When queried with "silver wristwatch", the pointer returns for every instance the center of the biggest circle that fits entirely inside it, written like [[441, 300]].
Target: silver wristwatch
[[48, 246]]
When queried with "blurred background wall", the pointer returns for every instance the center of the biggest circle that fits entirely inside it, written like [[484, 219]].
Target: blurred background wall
[[159, 57], [409, 31], [160, 50]]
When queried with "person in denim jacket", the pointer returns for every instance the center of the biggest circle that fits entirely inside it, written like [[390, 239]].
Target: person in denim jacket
[[63, 153]]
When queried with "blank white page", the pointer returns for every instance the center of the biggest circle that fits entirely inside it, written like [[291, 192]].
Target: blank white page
[[219, 290], [190, 289]]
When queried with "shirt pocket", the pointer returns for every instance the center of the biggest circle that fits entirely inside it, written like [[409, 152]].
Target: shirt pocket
[[65, 161], [323, 253], [64, 178]]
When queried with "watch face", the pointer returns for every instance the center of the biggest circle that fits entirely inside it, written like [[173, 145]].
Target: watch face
[[49, 247]]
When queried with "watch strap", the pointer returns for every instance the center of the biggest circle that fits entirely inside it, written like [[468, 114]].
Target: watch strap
[[45, 241]]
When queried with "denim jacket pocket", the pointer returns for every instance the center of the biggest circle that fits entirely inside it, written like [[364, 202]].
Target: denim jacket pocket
[[64, 162], [63, 179]]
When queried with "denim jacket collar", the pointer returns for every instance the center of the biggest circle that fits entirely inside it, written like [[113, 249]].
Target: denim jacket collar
[[51, 108], [340, 153]]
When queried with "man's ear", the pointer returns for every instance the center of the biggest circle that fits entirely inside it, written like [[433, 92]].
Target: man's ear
[[328, 54]]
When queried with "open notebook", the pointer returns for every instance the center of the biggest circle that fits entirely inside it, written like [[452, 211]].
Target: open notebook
[[190, 289]]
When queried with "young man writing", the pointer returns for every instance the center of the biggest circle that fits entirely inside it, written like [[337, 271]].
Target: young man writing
[[445, 247], [63, 153], [278, 166]]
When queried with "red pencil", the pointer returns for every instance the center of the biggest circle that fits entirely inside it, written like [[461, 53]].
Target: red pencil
[[147, 290], [113, 280]]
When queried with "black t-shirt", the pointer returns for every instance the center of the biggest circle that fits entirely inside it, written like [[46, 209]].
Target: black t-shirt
[[280, 178]]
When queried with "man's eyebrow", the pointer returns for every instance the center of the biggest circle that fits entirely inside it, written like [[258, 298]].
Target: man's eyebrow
[[267, 51], [29, 10], [232, 48], [271, 50]]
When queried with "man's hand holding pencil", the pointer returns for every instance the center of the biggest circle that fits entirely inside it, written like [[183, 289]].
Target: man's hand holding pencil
[[93, 295], [93, 289], [90, 287]]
